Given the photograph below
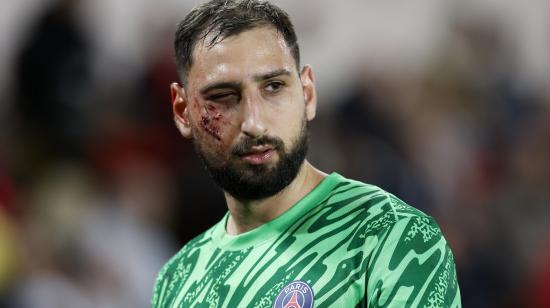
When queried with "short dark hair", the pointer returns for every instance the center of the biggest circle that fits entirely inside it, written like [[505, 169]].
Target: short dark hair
[[224, 18]]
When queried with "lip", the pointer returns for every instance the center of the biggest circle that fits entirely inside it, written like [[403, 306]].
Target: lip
[[258, 156]]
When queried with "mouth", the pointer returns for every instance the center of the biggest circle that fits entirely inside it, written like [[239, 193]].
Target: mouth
[[258, 155]]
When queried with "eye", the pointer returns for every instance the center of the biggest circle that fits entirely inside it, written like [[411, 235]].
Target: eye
[[274, 86], [224, 97]]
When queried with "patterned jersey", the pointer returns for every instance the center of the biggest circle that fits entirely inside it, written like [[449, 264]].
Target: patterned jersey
[[345, 244]]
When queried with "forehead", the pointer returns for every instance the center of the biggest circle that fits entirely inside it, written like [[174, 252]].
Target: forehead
[[246, 54]]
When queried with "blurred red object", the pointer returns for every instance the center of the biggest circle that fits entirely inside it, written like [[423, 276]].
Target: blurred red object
[[7, 193], [541, 286]]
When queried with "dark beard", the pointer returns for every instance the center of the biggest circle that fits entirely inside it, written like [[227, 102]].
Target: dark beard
[[255, 182]]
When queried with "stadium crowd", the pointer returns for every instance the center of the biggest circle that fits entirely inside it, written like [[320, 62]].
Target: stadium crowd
[[98, 189]]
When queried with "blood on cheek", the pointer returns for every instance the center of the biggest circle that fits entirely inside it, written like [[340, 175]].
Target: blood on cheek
[[211, 120]]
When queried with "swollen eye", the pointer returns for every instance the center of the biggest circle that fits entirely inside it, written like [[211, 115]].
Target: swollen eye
[[224, 97]]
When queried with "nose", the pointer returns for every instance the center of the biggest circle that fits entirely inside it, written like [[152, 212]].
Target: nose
[[253, 124]]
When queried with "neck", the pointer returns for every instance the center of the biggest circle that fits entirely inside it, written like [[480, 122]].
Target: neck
[[248, 215]]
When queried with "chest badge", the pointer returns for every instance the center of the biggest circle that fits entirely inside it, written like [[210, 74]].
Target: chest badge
[[297, 294]]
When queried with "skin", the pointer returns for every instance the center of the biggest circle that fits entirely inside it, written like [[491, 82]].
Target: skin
[[248, 85]]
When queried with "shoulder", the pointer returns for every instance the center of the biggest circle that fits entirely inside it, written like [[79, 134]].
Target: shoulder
[[187, 252], [380, 218], [178, 267], [377, 208], [409, 260]]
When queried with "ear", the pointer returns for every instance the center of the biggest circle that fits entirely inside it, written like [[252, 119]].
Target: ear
[[180, 109], [310, 94]]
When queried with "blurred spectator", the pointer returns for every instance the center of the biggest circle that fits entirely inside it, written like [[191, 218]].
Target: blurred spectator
[[91, 249], [370, 129], [96, 176], [53, 73]]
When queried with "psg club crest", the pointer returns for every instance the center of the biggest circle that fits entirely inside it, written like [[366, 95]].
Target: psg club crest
[[296, 294]]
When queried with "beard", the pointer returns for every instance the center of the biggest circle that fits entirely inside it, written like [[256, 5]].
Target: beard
[[254, 182]]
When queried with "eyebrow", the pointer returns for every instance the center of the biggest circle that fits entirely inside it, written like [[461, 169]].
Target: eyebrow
[[272, 74], [238, 85]]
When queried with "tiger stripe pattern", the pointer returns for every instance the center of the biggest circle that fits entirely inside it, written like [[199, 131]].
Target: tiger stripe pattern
[[353, 244]]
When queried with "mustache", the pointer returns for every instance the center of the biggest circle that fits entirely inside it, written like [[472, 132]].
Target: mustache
[[246, 144]]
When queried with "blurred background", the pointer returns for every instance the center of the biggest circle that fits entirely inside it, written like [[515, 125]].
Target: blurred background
[[444, 103]]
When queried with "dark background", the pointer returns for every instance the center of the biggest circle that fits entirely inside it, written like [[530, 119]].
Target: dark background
[[443, 103]]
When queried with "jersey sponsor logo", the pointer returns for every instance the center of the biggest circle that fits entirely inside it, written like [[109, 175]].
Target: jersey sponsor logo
[[297, 294]]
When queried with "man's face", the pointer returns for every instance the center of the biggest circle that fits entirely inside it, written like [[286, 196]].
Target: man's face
[[246, 108]]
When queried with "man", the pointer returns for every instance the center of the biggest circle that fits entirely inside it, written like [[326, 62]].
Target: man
[[293, 236]]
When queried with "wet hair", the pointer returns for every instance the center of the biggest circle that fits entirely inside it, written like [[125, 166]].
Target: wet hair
[[219, 19]]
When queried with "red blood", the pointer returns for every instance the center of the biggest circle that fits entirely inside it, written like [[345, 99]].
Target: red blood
[[210, 127], [211, 120]]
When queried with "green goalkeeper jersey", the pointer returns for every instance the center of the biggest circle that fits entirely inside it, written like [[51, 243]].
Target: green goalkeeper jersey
[[345, 244]]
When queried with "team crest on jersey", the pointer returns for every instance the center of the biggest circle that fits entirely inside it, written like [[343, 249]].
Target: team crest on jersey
[[297, 294]]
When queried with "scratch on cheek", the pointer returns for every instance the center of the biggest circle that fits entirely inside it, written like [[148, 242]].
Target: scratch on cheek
[[209, 127], [211, 121]]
